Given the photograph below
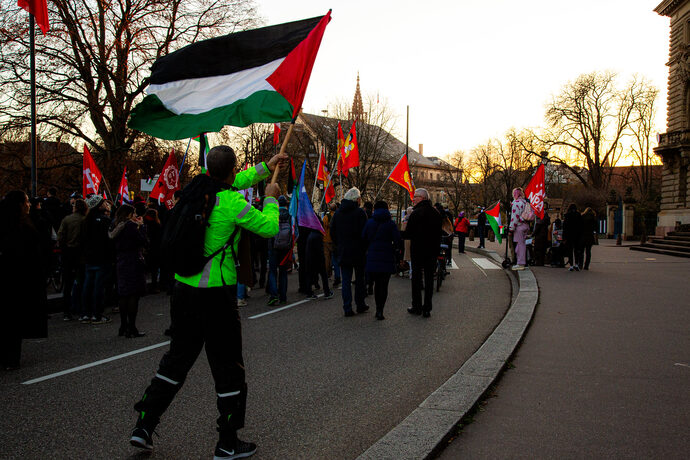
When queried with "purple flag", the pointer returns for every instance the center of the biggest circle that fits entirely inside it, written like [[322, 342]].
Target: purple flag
[[306, 217]]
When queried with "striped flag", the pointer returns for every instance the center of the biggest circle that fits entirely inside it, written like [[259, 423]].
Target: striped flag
[[256, 76]]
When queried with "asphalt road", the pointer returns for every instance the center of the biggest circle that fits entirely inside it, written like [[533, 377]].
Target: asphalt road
[[320, 385], [603, 371]]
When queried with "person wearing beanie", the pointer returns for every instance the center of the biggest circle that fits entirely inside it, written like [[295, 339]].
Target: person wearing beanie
[[346, 232]]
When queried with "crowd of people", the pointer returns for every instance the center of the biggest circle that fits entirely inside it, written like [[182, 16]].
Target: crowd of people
[[551, 242], [114, 251]]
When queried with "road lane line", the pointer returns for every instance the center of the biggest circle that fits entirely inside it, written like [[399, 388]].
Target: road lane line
[[283, 308], [474, 261], [95, 363]]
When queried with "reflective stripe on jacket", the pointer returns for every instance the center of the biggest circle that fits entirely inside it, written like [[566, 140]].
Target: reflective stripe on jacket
[[231, 210]]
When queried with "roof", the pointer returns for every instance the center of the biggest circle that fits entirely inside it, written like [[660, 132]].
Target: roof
[[393, 148]]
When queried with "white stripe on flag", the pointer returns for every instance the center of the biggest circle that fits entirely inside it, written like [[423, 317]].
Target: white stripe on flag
[[199, 95]]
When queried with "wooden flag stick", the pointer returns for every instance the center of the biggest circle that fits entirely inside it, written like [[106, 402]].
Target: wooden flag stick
[[274, 179]]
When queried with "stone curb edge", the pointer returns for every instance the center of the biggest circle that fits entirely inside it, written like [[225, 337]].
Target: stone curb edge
[[421, 434]]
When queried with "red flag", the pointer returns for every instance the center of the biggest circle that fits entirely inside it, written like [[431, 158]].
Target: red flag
[[291, 77], [91, 176], [535, 192], [123, 191], [320, 169], [168, 182], [341, 144], [276, 133], [401, 175], [323, 175], [350, 150], [328, 185], [39, 8]]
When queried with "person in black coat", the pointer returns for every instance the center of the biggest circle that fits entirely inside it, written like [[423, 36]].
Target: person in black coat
[[481, 226], [22, 279], [424, 232], [381, 237], [98, 256], [589, 229], [129, 235], [572, 236], [346, 232]]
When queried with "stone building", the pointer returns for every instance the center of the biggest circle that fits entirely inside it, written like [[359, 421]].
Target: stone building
[[674, 144]]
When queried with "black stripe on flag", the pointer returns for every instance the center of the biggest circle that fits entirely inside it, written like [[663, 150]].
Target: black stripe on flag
[[231, 53]]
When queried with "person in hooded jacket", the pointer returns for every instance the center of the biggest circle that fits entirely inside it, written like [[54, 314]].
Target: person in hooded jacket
[[346, 231], [462, 228], [129, 234], [381, 237]]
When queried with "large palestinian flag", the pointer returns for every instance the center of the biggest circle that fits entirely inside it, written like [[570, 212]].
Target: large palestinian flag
[[256, 76]]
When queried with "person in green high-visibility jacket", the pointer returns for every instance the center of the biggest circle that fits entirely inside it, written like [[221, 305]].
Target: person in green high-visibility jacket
[[204, 309]]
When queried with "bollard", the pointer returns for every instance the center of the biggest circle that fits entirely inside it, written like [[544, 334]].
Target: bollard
[[619, 240]]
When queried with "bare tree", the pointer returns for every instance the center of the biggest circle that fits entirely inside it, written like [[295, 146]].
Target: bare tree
[[94, 63], [589, 117], [458, 189], [641, 127]]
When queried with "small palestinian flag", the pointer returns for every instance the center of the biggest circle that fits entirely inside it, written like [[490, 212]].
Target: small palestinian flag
[[493, 216], [256, 76], [202, 139]]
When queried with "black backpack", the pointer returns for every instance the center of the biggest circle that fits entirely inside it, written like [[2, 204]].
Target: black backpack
[[182, 242], [283, 240]]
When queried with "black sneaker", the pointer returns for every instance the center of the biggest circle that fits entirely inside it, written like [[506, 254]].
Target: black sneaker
[[363, 308], [241, 449], [141, 438], [414, 311], [328, 295], [349, 313]]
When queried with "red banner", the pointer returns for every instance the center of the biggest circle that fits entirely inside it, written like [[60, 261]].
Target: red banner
[[401, 175], [535, 192], [123, 191], [91, 175], [168, 182], [39, 8]]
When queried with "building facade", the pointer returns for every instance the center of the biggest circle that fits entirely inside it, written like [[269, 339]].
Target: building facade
[[674, 144]]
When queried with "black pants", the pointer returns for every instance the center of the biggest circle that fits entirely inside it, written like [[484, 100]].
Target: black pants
[[380, 281], [578, 251], [129, 307], [10, 346], [71, 270], [426, 267], [588, 255], [481, 229], [461, 242], [201, 317]]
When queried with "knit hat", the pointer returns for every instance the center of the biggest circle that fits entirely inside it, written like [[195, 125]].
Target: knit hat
[[94, 201], [282, 201]]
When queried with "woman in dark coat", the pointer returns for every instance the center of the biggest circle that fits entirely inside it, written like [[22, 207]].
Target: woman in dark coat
[[129, 235], [589, 228], [381, 237], [572, 236], [22, 279]]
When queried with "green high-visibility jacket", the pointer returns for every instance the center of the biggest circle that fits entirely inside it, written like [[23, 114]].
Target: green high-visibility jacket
[[231, 210]]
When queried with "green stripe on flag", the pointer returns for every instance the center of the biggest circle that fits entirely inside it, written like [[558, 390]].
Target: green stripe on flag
[[494, 226], [151, 116]]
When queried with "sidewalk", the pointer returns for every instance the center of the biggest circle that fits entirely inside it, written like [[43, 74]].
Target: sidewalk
[[603, 371]]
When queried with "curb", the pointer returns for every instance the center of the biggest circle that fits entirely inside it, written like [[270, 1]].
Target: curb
[[424, 431]]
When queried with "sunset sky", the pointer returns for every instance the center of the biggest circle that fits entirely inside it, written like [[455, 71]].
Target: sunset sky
[[470, 70]]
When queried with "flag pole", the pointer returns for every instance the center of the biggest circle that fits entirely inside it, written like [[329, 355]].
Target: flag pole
[[274, 179], [32, 52], [185, 156], [387, 177]]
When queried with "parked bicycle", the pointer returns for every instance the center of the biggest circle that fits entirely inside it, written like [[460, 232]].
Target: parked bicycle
[[54, 277]]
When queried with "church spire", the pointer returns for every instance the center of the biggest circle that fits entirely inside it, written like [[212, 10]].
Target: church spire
[[357, 112]]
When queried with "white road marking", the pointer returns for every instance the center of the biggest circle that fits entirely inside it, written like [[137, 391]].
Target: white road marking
[[682, 365], [485, 263], [95, 363], [650, 258], [453, 266], [283, 308]]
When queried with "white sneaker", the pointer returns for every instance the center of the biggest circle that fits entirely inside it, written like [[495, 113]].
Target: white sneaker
[[517, 267], [241, 303]]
